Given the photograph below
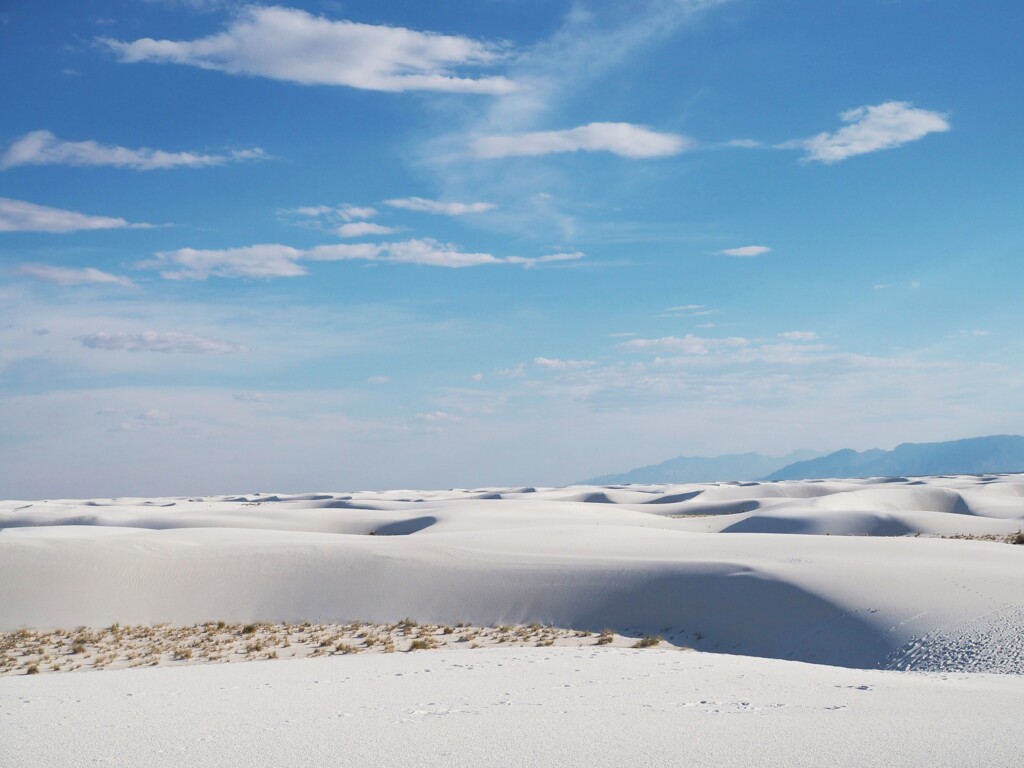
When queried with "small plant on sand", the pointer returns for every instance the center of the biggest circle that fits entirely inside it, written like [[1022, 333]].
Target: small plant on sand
[[1017, 538], [33, 669], [606, 637], [248, 629], [648, 641], [422, 644], [345, 648]]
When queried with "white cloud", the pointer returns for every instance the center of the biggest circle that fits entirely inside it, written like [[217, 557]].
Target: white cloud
[[274, 260], [799, 335], [687, 345], [154, 414], [436, 254], [436, 416], [551, 257], [290, 44], [555, 364], [744, 143], [623, 139], [379, 380], [872, 128], [746, 250], [43, 148], [259, 261], [19, 216], [344, 220], [151, 341], [71, 276], [362, 228], [437, 206]]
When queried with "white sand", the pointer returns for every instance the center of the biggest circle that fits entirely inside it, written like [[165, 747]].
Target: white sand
[[520, 707], [844, 573]]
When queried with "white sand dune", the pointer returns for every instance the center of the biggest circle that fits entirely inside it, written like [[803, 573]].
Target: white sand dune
[[636, 559]]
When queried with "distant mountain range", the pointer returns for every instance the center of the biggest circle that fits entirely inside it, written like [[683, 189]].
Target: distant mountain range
[[706, 469], [971, 456]]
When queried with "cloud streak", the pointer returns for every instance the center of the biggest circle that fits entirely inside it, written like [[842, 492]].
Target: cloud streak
[[43, 148], [165, 343], [623, 139], [21, 216], [746, 251], [296, 46], [71, 276], [275, 260], [438, 207], [870, 129]]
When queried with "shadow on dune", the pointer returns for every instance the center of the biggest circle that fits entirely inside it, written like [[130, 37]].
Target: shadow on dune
[[742, 613], [405, 527]]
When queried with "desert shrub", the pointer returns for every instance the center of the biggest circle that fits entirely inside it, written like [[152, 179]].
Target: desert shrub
[[606, 637], [32, 670], [422, 644], [1017, 538]]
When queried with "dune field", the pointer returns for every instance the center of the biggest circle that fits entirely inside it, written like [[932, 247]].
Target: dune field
[[794, 619]]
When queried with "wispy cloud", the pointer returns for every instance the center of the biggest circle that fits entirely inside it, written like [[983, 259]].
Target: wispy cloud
[[293, 45], [344, 212], [274, 260], [20, 216], [43, 148], [624, 139], [555, 364], [152, 341], [798, 335], [438, 206], [870, 129], [746, 251], [258, 261], [362, 229], [343, 220], [71, 275], [687, 345]]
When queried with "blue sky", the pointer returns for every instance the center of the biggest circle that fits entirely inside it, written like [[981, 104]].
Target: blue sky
[[332, 245]]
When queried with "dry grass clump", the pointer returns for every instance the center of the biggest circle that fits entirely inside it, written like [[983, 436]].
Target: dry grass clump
[[27, 651], [1013, 538], [648, 641]]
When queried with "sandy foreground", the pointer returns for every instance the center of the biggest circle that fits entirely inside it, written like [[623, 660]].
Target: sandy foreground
[[859, 580]]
